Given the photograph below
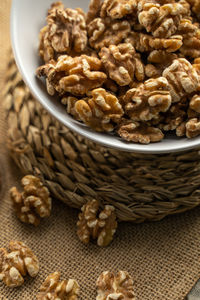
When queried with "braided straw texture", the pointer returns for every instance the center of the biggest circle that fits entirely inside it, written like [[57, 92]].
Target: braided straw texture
[[141, 187]]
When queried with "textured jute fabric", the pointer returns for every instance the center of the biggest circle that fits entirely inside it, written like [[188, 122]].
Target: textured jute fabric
[[163, 257]]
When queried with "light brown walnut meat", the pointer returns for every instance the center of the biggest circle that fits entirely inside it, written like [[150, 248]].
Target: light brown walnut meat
[[101, 111], [111, 85], [182, 77], [187, 28], [122, 64], [16, 263], [193, 128], [106, 32], [118, 9], [96, 225], [175, 116], [196, 65], [53, 289], [194, 106], [195, 7], [145, 42], [77, 75], [191, 39], [152, 71], [139, 132], [191, 45], [147, 100], [33, 203], [161, 57], [94, 10], [161, 20], [161, 60], [115, 286], [65, 32], [70, 102]]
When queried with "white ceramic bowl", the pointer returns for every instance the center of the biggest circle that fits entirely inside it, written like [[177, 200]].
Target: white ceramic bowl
[[27, 18]]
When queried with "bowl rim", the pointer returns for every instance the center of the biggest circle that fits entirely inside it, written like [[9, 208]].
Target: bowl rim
[[88, 133]]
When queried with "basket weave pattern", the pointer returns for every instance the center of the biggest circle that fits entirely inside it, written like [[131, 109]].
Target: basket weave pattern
[[141, 187]]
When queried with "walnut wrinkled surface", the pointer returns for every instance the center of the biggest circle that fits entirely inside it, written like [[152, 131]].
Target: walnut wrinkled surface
[[147, 100], [175, 116], [139, 132], [96, 225], [152, 71], [146, 43], [161, 20], [94, 10], [193, 128], [69, 102], [160, 60], [161, 57], [101, 111], [196, 65], [75, 75], [182, 78], [122, 64], [195, 103], [16, 263], [195, 6], [115, 286], [54, 289], [65, 32], [191, 45], [106, 32], [33, 203], [117, 9]]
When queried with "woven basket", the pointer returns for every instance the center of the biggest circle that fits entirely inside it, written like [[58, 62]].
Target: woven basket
[[141, 187]]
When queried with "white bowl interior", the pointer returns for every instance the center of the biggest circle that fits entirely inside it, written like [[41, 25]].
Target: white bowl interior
[[27, 18]]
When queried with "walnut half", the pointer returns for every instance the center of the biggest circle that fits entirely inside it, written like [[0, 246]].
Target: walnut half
[[182, 78], [101, 111], [53, 289], [139, 133], [16, 263], [101, 227], [122, 63], [33, 203], [65, 32], [112, 286], [145, 102], [75, 75]]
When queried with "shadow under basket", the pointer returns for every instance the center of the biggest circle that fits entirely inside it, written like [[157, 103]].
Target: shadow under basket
[[141, 187]]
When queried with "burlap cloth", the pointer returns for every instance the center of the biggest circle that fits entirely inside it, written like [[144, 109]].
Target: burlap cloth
[[163, 257]]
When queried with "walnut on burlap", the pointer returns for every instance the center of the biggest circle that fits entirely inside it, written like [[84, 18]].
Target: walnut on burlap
[[163, 257]]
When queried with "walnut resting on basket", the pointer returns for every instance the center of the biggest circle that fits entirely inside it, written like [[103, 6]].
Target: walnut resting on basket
[[131, 67]]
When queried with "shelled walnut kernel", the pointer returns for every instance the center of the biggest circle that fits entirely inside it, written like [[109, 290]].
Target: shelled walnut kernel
[[33, 203], [92, 224], [115, 286], [53, 289], [65, 32], [16, 263], [101, 111]]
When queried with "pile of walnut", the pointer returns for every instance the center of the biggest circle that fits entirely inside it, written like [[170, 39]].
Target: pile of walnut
[[128, 66]]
